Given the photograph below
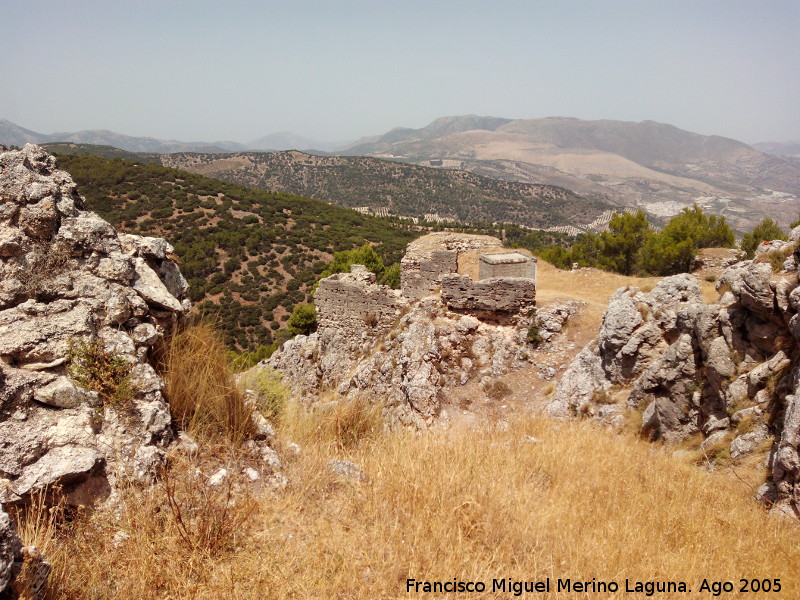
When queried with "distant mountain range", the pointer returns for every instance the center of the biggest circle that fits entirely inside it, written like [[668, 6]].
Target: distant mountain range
[[648, 165], [14, 135], [780, 148]]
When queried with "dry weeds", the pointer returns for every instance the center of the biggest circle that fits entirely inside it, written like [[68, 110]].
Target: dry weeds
[[200, 388], [570, 501]]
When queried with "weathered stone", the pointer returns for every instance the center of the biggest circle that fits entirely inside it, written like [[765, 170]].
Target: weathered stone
[[746, 443], [63, 464], [10, 549], [488, 297], [152, 289], [62, 393], [583, 377], [72, 285], [10, 242], [146, 247], [144, 334], [347, 469]]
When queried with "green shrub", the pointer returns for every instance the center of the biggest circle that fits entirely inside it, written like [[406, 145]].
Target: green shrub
[[92, 367], [303, 320], [765, 231]]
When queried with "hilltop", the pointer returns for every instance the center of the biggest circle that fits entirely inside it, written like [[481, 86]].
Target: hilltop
[[653, 165]]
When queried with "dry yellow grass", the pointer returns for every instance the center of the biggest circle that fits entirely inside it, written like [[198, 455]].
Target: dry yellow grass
[[202, 395], [577, 502]]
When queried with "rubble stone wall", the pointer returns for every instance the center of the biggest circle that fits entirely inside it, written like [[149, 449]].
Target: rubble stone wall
[[506, 295], [354, 301], [432, 256], [421, 274]]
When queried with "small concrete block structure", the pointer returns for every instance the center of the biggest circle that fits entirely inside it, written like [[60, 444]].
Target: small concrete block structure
[[508, 264]]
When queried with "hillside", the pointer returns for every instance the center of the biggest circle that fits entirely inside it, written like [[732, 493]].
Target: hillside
[[249, 255], [653, 165], [396, 188]]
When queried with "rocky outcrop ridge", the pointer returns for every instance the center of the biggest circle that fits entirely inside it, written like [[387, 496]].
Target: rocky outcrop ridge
[[729, 371], [72, 286], [428, 351]]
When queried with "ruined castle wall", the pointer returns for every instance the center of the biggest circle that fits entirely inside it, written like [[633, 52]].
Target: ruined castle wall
[[437, 254], [354, 302], [510, 295], [421, 274]]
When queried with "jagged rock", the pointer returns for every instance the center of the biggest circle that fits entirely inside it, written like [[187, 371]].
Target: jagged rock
[[67, 278], [747, 442], [150, 287], [709, 368], [667, 389], [10, 549], [551, 319], [582, 379]]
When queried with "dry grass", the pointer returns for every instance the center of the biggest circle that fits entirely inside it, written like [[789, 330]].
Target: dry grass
[[200, 388], [339, 425], [581, 502]]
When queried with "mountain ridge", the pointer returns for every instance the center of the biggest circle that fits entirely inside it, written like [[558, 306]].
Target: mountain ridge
[[12, 134], [650, 165], [396, 188]]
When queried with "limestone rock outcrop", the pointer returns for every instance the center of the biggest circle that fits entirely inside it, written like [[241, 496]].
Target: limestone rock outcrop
[[10, 549], [71, 284], [729, 371]]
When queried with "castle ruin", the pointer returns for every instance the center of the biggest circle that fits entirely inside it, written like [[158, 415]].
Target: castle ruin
[[474, 274]]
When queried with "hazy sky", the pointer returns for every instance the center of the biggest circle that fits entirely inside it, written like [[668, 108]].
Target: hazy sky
[[337, 70]]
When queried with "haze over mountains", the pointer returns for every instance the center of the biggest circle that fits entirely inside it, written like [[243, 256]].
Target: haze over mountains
[[15, 135], [648, 165]]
